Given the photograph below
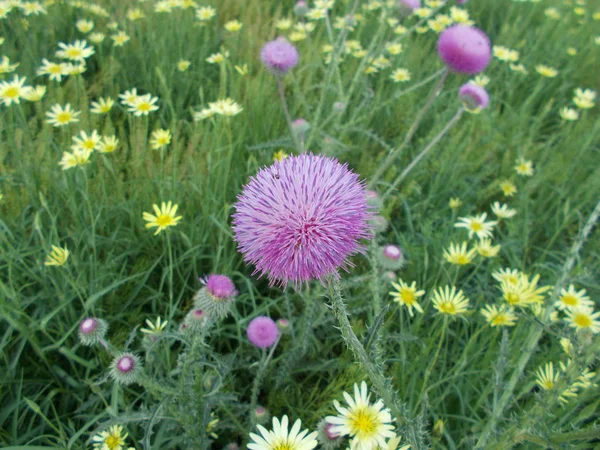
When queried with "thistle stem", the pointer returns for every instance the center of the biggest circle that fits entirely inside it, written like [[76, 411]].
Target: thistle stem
[[286, 112], [260, 374], [373, 371]]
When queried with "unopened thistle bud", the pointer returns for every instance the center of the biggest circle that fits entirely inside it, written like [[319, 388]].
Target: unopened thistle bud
[[339, 107], [196, 321], [328, 438], [216, 298], [391, 257], [261, 415], [126, 368], [379, 224], [301, 9], [373, 199], [300, 127], [284, 326], [92, 331]]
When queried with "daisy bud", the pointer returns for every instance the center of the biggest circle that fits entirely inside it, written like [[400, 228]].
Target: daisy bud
[[408, 6], [301, 8], [300, 127], [216, 298], [391, 257], [125, 368], [464, 49], [279, 56], [284, 326], [262, 332], [473, 96], [261, 415], [327, 437], [92, 331], [373, 199]]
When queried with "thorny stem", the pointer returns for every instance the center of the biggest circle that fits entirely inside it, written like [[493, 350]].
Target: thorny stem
[[374, 372], [260, 374], [426, 150], [411, 132], [286, 111], [536, 333]]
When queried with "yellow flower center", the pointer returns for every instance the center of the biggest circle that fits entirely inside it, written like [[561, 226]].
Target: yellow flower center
[[364, 423], [583, 320], [12, 92], [462, 259], [570, 300], [448, 308], [283, 445], [89, 144], [476, 226], [408, 296], [63, 117], [55, 69], [164, 220], [500, 319], [548, 384], [144, 107], [74, 53], [113, 442], [512, 298]]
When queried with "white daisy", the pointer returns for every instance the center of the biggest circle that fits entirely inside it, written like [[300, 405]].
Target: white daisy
[[477, 225], [282, 439]]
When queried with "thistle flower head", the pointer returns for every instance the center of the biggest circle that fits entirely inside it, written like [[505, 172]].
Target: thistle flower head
[[301, 218], [464, 49], [473, 96], [262, 332], [279, 56], [220, 286], [125, 368], [92, 331], [216, 298], [391, 257]]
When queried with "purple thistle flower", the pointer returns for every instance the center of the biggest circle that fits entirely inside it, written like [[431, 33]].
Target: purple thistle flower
[[262, 332], [461, 2], [279, 56], [126, 368], [92, 331], [301, 218], [474, 96], [464, 49], [220, 286]]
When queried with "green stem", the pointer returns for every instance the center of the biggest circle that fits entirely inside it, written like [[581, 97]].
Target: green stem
[[260, 374], [431, 365], [286, 112]]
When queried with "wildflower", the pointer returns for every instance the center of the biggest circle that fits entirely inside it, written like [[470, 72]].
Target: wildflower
[[584, 98], [505, 54], [571, 51], [78, 157], [226, 107], [391, 258], [113, 439], [97, 38], [128, 98], [92, 331], [400, 75], [518, 68], [204, 114], [477, 225], [84, 26], [242, 70], [317, 212], [154, 328], [567, 394], [499, 317], [6, 66], [552, 13], [568, 114], [524, 167], [283, 24], [125, 368], [328, 439], [473, 97], [546, 71], [438, 428], [108, 144], [279, 56], [524, 292], [205, 13], [33, 8], [143, 105], [217, 58], [423, 13], [160, 138], [366, 424], [508, 188], [102, 106], [459, 255], [459, 15], [448, 301], [75, 69], [279, 155], [455, 202], [216, 297], [262, 332], [86, 142], [486, 249], [571, 299], [120, 38], [407, 295], [135, 14], [510, 276], [584, 380], [547, 377], [502, 211], [78, 51], [58, 256], [583, 318], [464, 49], [183, 65], [34, 94], [481, 80], [280, 438], [394, 48], [165, 217], [196, 321], [12, 91]]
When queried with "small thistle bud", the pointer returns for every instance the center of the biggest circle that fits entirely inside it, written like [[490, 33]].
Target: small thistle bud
[[125, 368], [474, 97], [328, 438], [284, 326], [196, 321], [92, 331], [390, 276], [379, 224], [391, 257], [300, 127], [262, 332], [301, 9], [339, 107], [216, 298], [373, 199], [261, 415], [408, 6]]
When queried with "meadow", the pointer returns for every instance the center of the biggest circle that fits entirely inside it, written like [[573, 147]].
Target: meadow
[[443, 295]]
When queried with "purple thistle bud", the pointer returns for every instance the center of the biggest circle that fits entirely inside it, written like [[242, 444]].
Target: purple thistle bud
[[464, 49], [379, 224], [408, 6], [392, 252], [220, 286], [327, 436], [284, 325], [92, 331], [390, 276], [261, 415], [125, 368], [391, 257], [301, 8], [196, 321], [217, 297], [331, 434], [300, 127], [373, 199], [262, 332], [301, 218], [473, 96], [279, 56]]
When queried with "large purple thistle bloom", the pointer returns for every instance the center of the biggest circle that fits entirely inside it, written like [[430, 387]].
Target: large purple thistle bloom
[[301, 218]]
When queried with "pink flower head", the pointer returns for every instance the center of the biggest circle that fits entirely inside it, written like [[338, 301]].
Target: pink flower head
[[301, 218], [392, 252], [464, 49], [279, 55], [262, 332], [474, 96], [461, 2], [126, 364], [220, 286], [125, 368], [408, 6], [88, 326]]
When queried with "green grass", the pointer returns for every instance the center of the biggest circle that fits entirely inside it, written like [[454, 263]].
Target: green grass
[[54, 392]]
